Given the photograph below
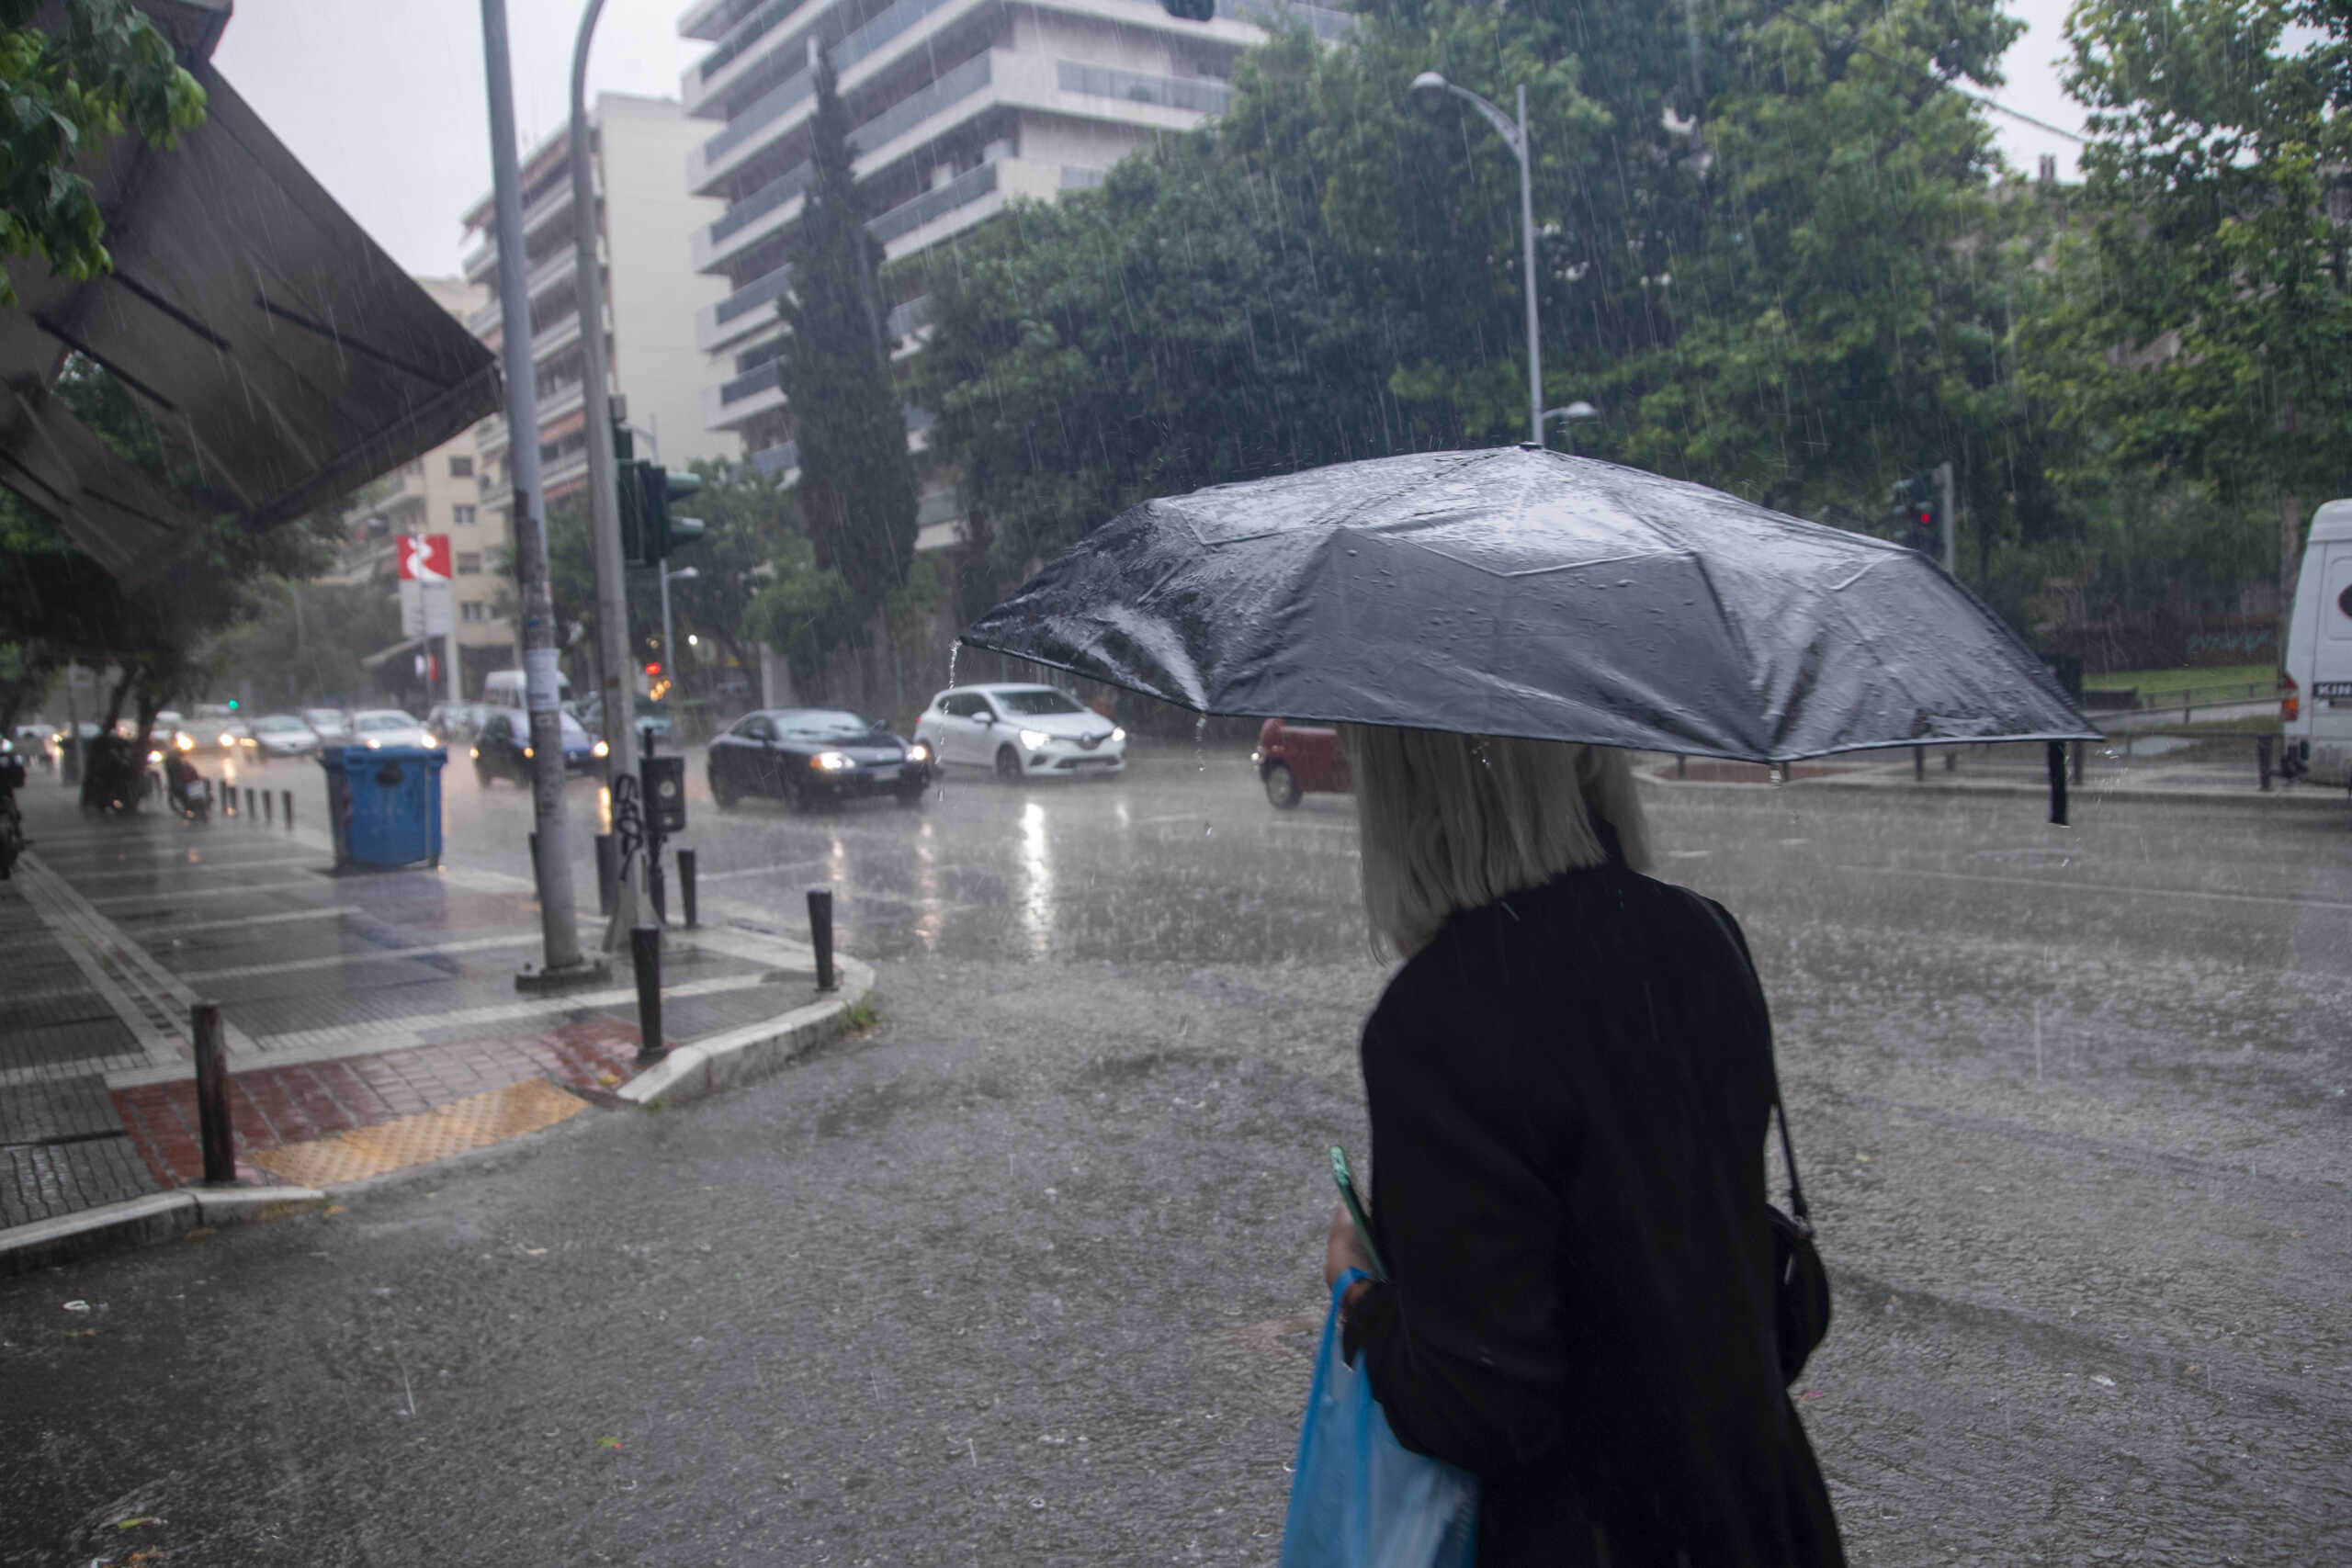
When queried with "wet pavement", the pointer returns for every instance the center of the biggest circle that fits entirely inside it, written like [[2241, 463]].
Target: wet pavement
[[1026, 1272]]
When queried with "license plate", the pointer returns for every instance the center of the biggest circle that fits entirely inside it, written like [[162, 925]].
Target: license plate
[[885, 775], [2331, 689]]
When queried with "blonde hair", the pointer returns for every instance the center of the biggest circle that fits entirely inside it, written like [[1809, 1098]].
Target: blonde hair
[[1455, 821]]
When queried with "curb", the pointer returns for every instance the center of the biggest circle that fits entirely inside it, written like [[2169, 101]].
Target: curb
[[139, 1222], [703, 1067]]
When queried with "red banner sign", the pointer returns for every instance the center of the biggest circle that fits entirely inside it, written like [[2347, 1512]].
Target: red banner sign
[[424, 557]]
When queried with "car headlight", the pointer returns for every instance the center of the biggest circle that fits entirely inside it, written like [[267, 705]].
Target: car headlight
[[1118, 735], [831, 762], [374, 744], [475, 752], [1032, 739], [425, 738], [528, 753], [918, 752], [154, 756], [228, 741], [601, 749], [185, 741]]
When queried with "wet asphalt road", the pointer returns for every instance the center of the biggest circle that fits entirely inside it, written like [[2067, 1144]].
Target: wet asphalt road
[[1026, 1274]]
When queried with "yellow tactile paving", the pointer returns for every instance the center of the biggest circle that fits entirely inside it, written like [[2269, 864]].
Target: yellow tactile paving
[[445, 1130]]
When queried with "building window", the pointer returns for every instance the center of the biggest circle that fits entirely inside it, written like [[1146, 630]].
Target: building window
[[462, 516], [469, 563], [499, 608], [472, 610], [461, 467]]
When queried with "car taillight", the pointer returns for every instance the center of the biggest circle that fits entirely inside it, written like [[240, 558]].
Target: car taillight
[[2292, 702]]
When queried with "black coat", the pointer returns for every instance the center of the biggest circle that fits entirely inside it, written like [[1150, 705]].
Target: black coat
[[1569, 1093]]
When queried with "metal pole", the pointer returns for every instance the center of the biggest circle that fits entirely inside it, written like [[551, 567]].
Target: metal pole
[[1527, 231], [686, 886], [289, 809], [613, 650], [2057, 751], [213, 1127], [820, 934], [608, 871], [559, 925], [1951, 522], [645, 956], [668, 654]]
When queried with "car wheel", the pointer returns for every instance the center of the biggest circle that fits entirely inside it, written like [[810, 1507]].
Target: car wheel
[[1281, 787], [910, 798], [482, 778], [722, 794], [1008, 764]]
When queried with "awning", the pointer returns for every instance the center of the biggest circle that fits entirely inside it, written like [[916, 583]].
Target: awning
[[263, 329]]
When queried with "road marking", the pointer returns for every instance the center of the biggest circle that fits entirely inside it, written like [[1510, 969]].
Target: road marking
[[293, 966], [761, 870], [115, 901], [183, 867], [207, 923], [2125, 887]]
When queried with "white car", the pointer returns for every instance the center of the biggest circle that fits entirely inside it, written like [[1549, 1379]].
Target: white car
[[1021, 731], [328, 724], [277, 736], [376, 728]]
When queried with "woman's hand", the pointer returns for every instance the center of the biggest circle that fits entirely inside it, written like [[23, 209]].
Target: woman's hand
[[1343, 1251]]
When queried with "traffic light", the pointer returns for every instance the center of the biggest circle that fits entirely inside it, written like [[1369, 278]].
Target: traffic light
[[647, 531], [1918, 510]]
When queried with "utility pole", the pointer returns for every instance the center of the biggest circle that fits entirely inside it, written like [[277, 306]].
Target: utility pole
[[551, 857], [615, 689]]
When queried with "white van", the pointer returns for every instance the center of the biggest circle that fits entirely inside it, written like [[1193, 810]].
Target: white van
[[509, 689], [2317, 701]]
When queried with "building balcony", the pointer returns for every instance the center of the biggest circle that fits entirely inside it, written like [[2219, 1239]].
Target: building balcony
[[743, 313], [737, 51], [553, 208], [552, 269]]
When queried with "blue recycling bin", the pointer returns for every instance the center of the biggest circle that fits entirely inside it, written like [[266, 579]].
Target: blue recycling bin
[[384, 803]]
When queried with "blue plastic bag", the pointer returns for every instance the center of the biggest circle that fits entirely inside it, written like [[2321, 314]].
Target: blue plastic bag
[[1358, 1498]]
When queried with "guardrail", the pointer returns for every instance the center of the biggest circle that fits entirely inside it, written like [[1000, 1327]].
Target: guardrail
[[2130, 699]]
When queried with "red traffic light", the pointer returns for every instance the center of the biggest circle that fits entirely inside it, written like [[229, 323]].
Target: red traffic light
[[653, 669]]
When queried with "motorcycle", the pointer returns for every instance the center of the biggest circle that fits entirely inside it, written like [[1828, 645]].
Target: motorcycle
[[112, 780], [12, 821], [183, 787]]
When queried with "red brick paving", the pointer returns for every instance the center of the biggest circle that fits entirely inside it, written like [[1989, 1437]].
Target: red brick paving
[[270, 1107]]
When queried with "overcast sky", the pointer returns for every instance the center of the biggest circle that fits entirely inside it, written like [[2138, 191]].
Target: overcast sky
[[383, 99]]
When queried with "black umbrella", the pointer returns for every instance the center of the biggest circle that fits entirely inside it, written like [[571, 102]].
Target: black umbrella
[[1525, 592]]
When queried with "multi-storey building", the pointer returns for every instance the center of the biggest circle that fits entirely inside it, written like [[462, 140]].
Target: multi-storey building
[[638, 150], [958, 106]]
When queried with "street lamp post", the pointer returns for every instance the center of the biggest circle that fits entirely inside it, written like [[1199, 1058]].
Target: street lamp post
[[1515, 138]]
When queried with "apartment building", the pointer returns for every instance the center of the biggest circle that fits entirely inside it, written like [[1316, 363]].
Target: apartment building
[[959, 106], [639, 148]]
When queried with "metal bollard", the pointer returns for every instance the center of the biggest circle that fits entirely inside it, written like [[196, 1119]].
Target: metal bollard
[[608, 871], [2262, 761], [208, 795], [820, 934], [2058, 782], [686, 886], [227, 797], [268, 808], [213, 1126], [645, 956], [288, 796], [655, 889], [1681, 766], [1918, 764], [2075, 765], [249, 808]]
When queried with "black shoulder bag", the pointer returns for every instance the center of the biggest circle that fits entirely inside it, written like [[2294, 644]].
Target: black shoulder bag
[[1801, 1280]]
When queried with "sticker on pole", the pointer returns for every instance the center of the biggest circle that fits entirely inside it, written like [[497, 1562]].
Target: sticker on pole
[[540, 678], [424, 557]]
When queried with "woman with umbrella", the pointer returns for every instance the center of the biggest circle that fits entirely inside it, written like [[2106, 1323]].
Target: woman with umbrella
[[1567, 1081], [1591, 1304]]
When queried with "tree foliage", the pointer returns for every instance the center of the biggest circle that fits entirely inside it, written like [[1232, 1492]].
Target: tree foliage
[[857, 489], [65, 93]]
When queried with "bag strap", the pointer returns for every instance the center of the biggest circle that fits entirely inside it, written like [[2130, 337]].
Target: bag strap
[[1797, 1210]]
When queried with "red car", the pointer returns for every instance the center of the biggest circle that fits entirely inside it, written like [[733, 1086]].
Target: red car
[[1295, 758]]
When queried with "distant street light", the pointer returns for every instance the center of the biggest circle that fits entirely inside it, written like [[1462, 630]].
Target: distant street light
[[1515, 138], [1576, 411]]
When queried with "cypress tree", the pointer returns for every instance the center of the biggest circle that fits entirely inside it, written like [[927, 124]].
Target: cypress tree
[[858, 482]]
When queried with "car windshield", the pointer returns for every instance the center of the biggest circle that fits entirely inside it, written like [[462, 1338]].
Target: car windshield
[[1037, 700], [821, 724], [383, 721], [277, 724]]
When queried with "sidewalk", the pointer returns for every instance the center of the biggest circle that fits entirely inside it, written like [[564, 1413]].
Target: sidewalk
[[371, 1021]]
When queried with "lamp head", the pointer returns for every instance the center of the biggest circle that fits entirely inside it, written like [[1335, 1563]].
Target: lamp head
[[1429, 82]]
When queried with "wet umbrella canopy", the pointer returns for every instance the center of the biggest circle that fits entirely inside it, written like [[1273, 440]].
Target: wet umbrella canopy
[[1525, 592]]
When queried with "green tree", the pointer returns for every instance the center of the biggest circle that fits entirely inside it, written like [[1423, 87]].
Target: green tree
[[299, 642], [857, 489], [109, 70], [2198, 325]]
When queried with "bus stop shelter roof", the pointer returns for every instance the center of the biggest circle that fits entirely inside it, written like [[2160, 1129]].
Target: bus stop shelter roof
[[250, 315]]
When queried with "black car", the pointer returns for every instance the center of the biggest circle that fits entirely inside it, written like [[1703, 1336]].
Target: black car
[[503, 748], [815, 756]]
